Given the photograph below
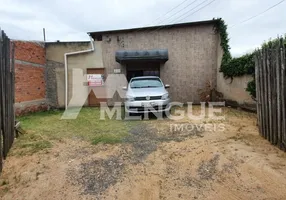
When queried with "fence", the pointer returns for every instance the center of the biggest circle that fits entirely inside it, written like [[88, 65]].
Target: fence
[[271, 91], [7, 116]]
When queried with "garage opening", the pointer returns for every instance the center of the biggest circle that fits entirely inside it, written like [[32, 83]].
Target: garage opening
[[135, 69], [142, 63]]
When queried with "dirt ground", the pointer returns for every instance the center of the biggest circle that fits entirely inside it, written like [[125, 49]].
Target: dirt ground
[[155, 162]]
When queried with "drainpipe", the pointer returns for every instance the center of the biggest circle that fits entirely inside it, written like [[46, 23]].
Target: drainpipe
[[66, 67]]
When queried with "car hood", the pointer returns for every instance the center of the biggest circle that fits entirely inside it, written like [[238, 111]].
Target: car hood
[[143, 92]]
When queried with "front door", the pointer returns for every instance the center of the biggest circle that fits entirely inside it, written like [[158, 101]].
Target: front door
[[92, 99]]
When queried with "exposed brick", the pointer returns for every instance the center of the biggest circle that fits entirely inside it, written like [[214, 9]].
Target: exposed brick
[[30, 52], [29, 83]]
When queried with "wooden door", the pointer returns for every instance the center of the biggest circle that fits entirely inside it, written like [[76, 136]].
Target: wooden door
[[93, 101]]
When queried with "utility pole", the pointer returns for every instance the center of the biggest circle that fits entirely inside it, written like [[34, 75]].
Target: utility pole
[[44, 33]]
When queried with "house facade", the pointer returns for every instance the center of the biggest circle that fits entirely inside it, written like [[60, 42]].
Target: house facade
[[185, 56]]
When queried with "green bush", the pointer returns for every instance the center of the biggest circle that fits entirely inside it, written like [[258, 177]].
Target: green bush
[[239, 66], [251, 88], [221, 28], [234, 67]]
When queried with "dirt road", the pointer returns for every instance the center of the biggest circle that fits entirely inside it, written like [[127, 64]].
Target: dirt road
[[155, 162]]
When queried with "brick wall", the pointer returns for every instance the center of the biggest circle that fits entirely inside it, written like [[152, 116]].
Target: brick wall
[[33, 52], [30, 83]]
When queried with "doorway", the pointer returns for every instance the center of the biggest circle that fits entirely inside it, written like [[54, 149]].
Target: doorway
[[93, 101], [136, 69]]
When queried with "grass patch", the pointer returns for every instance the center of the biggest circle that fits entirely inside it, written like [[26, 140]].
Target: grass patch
[[108, 138], [30, 144], [44, 127], [37, 145]]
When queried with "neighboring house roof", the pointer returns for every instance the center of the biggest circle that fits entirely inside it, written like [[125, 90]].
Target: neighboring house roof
[[98, 34]]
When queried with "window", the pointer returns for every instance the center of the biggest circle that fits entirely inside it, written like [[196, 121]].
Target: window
[[146, 83]]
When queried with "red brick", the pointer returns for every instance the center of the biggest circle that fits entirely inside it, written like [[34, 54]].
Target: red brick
[[30, 52], [29, 83]]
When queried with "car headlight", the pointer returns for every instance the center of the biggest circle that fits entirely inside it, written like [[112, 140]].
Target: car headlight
[[165, 96], [130, 98]]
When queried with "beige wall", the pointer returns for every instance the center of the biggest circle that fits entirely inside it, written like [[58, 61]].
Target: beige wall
[[233, 90], [192, 56], [55, 54]]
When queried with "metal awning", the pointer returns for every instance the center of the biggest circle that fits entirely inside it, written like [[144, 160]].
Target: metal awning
[[159, 55]]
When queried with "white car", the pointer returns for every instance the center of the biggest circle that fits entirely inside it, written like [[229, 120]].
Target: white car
[[147, 94]]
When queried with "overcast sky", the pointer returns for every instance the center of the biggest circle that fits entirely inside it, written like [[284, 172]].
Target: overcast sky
[[69, 20]]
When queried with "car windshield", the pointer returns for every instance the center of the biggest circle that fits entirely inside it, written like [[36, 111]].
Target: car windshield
[[146, 83]]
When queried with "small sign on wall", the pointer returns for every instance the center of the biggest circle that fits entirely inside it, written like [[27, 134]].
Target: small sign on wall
[[117, 71], [95, 79]]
